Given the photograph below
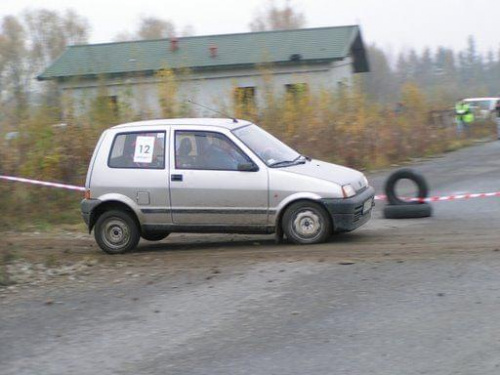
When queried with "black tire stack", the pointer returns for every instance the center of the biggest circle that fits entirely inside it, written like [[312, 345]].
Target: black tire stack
[[398, 208]]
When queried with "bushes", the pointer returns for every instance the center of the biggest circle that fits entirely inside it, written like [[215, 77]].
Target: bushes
[[348, 129], [45, 150], [344, 128]]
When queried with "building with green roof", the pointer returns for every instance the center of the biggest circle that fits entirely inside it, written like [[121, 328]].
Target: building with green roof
[[209, 69]]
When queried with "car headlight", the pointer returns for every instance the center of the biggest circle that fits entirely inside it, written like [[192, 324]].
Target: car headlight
[[348, 191]]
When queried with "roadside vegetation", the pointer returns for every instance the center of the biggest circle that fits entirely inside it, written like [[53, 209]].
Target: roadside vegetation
[[399, 111], [345, 128]]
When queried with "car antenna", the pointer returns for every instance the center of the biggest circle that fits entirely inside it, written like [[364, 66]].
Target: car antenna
[[214, 110]]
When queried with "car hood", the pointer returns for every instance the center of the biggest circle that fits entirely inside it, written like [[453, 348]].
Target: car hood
[[329, 172]]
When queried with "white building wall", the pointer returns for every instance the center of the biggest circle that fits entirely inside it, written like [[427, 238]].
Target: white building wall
[[210, 89], [342, 73]]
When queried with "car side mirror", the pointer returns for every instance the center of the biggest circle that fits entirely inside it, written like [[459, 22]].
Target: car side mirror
[[248, 167]]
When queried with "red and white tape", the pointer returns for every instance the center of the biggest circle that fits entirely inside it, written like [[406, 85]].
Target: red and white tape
[[377, 197], [446, 197], [43, 183]]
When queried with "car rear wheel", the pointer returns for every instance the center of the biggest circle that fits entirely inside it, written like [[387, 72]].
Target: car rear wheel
[[116, 232], [306, 223]]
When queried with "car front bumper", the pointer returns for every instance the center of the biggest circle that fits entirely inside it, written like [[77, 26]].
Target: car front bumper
[[350, 213]]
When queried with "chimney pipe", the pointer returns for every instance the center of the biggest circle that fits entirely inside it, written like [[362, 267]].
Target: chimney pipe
[[213, 50], [174, 44]]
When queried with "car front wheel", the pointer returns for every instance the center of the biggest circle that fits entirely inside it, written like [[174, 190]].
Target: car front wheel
[[306, 223], [116, 232]]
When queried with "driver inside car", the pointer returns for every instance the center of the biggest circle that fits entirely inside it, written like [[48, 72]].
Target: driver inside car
[[221, 154]]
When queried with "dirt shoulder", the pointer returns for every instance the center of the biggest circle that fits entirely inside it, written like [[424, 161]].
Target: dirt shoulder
[[71, 258]]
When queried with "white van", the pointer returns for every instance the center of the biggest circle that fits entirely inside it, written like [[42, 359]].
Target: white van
[[148, 179], [483, 108]]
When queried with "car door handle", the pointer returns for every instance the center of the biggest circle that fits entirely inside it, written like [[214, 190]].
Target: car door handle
[[176, 177]]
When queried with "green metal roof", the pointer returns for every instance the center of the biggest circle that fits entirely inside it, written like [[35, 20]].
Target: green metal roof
[[233, 50]]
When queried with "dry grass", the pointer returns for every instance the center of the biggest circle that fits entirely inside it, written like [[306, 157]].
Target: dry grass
[[344, 128]]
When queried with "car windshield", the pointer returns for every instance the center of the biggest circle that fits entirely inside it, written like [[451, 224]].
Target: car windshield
[[268, 148], [485, 104]]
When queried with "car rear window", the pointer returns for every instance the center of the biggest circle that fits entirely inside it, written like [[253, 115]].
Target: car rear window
[[138, 150]]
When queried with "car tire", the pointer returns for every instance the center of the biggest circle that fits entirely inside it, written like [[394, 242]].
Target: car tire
[[154, 236], [306, 223], [116, 232], [405, 174], [407, 211]]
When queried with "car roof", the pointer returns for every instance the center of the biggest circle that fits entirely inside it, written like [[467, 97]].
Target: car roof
[[226, 123], [478, 99]]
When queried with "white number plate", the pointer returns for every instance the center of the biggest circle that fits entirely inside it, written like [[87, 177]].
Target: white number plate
[[367, 206], [144, 148]]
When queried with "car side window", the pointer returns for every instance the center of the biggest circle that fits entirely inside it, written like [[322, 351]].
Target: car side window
[[138, 150], [207, 150]]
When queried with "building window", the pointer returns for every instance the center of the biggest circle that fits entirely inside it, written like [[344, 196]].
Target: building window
[[107, 104], [296, 90], [112, 102], [245, 96]]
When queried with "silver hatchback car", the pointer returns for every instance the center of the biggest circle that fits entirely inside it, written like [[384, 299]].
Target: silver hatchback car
[[151, 178]]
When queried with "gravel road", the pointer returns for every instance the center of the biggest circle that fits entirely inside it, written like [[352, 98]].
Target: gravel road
[[414, 296]]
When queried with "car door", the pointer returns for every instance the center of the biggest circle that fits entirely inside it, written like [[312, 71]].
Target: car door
[[207, 185]]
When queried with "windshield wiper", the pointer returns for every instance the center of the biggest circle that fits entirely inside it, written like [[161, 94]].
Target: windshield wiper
[[286, 163], [281, 163], [306, 158]]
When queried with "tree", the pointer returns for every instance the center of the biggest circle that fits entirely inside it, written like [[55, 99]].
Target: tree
[[380, 82], [403, 73], [425, 69], [274, 17], [492, 72], [50, 32], [149, 28], [445, 62], [155, 28], [13, 51], [470, 65], [27, 45]]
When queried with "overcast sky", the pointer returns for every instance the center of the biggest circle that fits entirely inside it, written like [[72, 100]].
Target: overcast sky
[[391, 24]]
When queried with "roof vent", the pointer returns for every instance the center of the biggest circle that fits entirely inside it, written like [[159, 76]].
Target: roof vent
[[174, 44], [213, 50], [296, 57]]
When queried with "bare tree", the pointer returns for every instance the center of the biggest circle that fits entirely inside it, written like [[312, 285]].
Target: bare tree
[[13, 51], [76, 28], [188, 31], [124, 36], [153, 28], [27, 45], [3, 63], [274, 17], [50, 32]]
